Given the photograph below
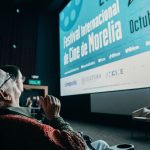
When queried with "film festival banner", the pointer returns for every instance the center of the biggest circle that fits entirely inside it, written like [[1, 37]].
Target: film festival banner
[[103, 44]]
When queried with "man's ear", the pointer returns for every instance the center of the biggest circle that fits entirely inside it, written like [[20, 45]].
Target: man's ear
[[4, 96]]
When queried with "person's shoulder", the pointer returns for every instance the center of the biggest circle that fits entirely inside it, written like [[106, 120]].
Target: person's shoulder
[[23, 111]]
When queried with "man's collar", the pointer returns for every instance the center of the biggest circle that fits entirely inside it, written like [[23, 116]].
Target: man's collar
[[24, 111]]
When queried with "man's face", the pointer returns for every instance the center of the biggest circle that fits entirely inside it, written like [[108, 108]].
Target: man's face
[[19, 82]]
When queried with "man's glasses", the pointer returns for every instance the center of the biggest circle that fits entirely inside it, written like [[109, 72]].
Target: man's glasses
[[10, 77]]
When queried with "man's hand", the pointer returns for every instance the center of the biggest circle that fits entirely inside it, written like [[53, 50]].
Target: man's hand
[[50, 105]]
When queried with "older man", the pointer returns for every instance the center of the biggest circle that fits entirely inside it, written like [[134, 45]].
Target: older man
[[57, 134]]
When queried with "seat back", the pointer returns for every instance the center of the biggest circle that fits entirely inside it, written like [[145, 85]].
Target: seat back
[[141, 114], [22, 133]]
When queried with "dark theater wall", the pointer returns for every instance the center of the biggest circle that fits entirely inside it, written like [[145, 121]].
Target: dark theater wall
[[47, 60], [19, 29]]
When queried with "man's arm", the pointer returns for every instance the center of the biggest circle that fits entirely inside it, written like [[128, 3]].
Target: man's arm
[[58, 123], [51, 107]]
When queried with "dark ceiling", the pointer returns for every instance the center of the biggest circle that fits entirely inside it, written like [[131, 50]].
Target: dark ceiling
[[50, 5]]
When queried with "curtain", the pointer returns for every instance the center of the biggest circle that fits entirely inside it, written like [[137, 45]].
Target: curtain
[[18, 38]]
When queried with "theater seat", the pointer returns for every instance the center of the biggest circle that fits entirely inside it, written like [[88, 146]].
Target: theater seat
[[142, 114], [141, 119], [22, 133]]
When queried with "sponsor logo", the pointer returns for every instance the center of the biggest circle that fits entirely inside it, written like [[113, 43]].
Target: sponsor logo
[[71, 83]]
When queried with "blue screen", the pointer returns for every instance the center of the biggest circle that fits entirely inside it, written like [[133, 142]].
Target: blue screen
[[104, 46]]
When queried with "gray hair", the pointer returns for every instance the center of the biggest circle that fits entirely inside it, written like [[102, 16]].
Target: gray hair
[[6, 82]]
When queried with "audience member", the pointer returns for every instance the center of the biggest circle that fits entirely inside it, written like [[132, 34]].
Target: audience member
[[11, 85]]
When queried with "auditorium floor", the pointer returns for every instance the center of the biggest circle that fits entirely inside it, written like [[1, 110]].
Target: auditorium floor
[[113, 134]]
